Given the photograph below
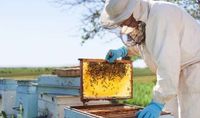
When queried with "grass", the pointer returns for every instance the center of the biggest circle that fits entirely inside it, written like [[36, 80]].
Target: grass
[[144, 81], [142, 91], [142, 72], [24, 73]]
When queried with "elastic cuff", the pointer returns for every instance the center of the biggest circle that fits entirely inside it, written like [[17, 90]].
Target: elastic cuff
[[124, 51], [160, 105]]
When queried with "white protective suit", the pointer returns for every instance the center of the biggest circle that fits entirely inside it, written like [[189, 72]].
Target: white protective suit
[[172, 50]]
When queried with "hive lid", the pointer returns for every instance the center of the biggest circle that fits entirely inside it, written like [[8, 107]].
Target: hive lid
[[101, 80], [67, 72]]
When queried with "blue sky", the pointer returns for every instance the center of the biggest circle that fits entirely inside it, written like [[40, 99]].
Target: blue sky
[[39, 33]]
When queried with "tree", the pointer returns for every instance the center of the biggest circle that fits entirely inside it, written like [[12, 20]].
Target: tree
[[192, 6], [91, 26]]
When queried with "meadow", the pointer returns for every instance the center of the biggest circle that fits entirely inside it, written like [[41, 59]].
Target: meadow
[[24, 72], [144, 80], [142, 91]]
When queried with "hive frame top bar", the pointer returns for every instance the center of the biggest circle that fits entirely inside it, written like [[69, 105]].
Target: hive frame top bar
[[86, 99], [103, 60]]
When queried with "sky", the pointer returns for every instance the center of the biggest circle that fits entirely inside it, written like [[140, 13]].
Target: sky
[[38, 33]]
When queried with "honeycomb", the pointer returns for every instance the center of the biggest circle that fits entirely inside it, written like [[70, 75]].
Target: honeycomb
[[102, 80]]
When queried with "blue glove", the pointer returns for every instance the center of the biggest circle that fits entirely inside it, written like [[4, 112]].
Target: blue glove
[[153, 110], [112, 55]]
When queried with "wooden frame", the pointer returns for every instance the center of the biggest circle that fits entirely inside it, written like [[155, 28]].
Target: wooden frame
[[104, 98]]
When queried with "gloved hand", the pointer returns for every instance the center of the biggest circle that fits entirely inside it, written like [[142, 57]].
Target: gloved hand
[[153, 110], [112, 55]]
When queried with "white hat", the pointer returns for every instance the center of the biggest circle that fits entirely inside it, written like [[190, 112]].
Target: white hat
[[116, 11]]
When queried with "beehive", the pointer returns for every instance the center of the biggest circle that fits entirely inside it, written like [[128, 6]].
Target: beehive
[[102, 80], [106, 111], [67, 72]]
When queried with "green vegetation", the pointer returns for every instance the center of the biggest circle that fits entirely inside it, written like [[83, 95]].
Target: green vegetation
[[142, 72], [29, 73], [143, 83], [142, 91]]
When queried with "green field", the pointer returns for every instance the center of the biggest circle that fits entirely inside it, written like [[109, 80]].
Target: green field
[[24, 73], [144, 81], [142, 90]]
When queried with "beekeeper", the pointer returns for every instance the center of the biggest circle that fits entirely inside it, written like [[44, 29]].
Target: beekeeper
[[168, 39]]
